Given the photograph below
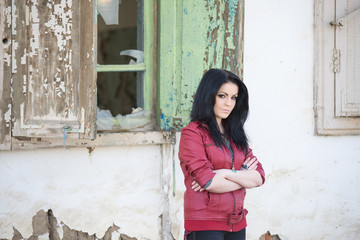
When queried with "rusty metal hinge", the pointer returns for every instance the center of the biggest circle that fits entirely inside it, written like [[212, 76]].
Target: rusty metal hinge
[[336, 24], [341, 21]]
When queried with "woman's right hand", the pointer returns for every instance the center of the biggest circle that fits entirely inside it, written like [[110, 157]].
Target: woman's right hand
[[251, 164]]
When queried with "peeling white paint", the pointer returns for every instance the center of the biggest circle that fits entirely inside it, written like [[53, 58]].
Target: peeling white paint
[[22, 122], [43, 237], [45, 86], [60, 23], [114, 172], [105, 181], [30, 83], [7, 59], [41, 121], [34, 14], [23, 57], [60, 89], [15, 45], [34, 40], [13, 18], [7, 115], [8, 16], [60, 232], [27, 15], [24, 84]]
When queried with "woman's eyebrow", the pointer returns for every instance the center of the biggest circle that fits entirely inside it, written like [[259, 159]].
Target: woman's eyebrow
[[236, 94]]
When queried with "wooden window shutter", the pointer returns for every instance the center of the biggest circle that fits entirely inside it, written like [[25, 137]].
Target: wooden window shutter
[[53, 68], [347, 42], [337, 67], [5, 75], [195, 36]]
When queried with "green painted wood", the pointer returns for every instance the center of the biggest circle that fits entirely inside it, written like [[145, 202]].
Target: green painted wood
[[148, 66], [193, 37], [120, 68], [148, 53]]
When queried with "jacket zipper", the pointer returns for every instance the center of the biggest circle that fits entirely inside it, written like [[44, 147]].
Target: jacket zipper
[[232, 157], [232, 193], [231, 225]]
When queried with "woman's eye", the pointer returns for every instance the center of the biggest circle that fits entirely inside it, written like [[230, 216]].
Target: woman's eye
[[234, 98], [221, 96]]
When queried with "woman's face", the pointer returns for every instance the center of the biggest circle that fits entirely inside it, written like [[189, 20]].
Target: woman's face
[[225, 101]]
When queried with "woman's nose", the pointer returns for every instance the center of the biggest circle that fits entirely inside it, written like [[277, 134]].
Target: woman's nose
[[228, 102]]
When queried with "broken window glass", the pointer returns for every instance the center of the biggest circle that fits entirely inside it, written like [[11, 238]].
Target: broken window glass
[[117, 91], [120, 46]]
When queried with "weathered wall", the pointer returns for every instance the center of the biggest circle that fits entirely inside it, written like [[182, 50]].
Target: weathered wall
[[311, 190], [312, 183], [88, 192]]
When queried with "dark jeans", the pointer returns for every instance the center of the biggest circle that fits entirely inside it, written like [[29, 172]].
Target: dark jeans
[[217, 235]]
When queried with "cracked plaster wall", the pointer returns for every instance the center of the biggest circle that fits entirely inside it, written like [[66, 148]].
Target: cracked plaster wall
[[46, 226], [88, 192], [311, 190]]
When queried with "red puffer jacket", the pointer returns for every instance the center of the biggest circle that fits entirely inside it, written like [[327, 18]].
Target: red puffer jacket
[[198, 156]]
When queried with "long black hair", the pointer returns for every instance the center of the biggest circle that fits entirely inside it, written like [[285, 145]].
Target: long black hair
[[203, 107]]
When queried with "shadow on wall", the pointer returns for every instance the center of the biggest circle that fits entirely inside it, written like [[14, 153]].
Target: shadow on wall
[[45, 224]]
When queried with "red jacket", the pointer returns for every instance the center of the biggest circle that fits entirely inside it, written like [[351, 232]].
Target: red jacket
[[198, 156]]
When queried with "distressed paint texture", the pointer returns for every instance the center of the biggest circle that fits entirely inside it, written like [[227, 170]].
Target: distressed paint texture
[[46, 226], [195, 36], [53, 68], [336, 70], [88, 190], [5, 75], [347, 88]]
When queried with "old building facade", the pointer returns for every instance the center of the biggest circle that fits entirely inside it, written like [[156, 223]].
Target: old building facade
[[93, 97]]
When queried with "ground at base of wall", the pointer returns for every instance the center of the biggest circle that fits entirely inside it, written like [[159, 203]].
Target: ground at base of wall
[[45, 225], [268, 236]]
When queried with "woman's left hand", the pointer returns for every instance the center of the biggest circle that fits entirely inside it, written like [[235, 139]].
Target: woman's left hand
[[196, 186]]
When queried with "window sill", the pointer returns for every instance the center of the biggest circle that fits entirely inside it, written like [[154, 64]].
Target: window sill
[[102, 140]]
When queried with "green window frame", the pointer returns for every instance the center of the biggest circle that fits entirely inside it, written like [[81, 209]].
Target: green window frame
[[147, 67], [182, 39]]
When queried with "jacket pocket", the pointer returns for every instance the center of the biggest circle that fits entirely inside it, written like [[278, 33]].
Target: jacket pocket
[[221, 202], [239, 196], [195, 201]]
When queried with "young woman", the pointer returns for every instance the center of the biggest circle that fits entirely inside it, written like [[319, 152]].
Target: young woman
[[217, 163]]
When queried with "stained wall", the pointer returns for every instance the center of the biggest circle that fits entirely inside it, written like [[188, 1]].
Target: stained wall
[[311, 189]]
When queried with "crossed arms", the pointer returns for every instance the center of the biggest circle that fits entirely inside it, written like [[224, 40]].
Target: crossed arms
[[226, 180]]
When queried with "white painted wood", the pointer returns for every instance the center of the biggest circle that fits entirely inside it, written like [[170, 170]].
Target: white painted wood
[[53, 68], [347, 88], [5, 75], [336, 90]]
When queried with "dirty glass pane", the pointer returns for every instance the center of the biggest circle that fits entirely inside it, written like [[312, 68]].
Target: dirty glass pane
[[116, 92], [120, 28], [117, 103]]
